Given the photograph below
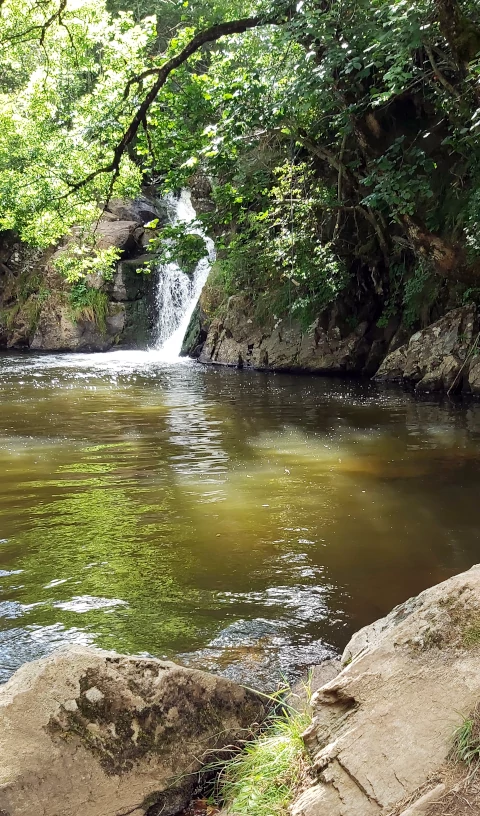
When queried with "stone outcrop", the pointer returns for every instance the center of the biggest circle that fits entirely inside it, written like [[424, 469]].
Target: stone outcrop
[[383, 728], [440, 357], [34, 305], [128, 321], [142, 210], [93, 733], [444, 356], [56, 330], [196, 334], [325, 348]]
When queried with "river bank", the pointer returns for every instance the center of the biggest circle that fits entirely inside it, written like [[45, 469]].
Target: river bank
[[140, 301], [441, 357], [394, 732]]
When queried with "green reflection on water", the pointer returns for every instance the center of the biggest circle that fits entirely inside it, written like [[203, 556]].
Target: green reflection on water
[[224, 516]]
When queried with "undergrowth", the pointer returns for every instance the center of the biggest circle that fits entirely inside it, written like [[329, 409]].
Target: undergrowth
[[87, 303], [466, 743], [29, 294], [263, 779]]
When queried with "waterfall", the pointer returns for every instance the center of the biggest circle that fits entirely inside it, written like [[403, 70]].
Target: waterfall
[[178, 293]]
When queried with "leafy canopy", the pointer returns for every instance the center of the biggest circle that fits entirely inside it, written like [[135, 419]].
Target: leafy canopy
[[364, 115]]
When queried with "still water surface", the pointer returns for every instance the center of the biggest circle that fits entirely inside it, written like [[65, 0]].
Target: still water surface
[[243, 522]]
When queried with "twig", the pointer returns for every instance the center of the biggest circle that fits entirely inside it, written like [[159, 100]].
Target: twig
[[339, 185], [473, 348], [441, 78]]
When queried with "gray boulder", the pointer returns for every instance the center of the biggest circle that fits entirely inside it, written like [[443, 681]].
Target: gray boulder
[[383, 728], [436, 358], [57, 331], [238, 340], [143, 210], [92, 733], [124, 235]]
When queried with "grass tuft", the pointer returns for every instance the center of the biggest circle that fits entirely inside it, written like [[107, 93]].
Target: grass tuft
[[466, 743], [263, 779], [471, 635], [87, 303]]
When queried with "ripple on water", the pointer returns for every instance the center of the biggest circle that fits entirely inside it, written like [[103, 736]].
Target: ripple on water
[[245, 522]]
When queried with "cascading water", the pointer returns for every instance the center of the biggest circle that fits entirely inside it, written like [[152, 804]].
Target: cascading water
[[177, 292]]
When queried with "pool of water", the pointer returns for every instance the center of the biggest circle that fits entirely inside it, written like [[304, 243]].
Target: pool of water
[[242, 522]]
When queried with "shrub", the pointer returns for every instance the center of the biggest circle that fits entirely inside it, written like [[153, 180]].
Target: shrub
[[263, 779], [87, 303]]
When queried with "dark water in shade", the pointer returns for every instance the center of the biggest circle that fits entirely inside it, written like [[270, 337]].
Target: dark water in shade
[[243, 522]]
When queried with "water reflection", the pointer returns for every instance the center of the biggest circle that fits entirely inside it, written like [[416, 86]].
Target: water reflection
[[247, 522]]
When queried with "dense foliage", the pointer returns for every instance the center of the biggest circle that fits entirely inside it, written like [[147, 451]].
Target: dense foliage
[[342, 136]]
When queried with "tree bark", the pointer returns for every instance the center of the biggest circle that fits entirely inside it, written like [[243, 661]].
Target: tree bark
[[459, 32], [448, 260]]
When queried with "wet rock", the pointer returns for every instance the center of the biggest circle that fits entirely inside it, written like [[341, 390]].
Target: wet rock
[[393, 366], [238, 340], [383, 728], [196, 334], [435, 358], [129, 281], [99, 734], [57, 331], [474, 375], [136, 331]]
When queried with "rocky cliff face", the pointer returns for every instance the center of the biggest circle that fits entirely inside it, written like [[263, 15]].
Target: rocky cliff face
[[383, 729], [444, 356], [331, 345], [35, 311]]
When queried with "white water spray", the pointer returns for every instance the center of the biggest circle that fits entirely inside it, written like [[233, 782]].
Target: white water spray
[[177, 292]]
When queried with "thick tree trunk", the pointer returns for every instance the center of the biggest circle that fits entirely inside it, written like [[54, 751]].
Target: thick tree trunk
[[448, 260], [460, 32]]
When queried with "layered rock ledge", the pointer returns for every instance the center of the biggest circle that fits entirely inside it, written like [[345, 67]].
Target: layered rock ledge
[[444, 356], [236, 339], [383, 729]]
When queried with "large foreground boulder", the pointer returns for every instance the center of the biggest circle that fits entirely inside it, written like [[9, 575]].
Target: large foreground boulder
[[383, 728], [90, 733]]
